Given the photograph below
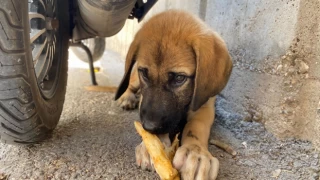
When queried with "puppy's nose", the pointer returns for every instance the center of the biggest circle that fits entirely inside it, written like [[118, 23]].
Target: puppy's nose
[[150, 126]]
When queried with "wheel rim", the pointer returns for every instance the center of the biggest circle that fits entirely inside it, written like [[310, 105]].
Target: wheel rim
[[44, 41]]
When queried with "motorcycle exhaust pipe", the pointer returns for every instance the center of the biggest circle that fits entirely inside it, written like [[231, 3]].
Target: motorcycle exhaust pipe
[[103, 18]]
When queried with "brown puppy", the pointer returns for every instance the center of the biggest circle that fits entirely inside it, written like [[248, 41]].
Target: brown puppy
[[179, 64]]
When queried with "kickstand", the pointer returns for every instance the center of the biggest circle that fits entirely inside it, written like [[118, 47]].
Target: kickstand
[[88, 52]]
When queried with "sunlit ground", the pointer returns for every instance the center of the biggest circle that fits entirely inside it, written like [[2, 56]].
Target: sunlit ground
[[110, 65]]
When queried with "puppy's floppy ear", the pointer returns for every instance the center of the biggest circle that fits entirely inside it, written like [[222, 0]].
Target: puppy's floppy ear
[[130, 61], [213, 69]]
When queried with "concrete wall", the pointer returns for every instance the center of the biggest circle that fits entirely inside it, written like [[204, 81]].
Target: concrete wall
[[275, 47]]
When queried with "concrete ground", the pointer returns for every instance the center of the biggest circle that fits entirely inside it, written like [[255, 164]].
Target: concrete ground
[[95, 139]]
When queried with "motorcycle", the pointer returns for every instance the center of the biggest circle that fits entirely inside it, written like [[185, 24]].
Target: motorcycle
[[34, 39]]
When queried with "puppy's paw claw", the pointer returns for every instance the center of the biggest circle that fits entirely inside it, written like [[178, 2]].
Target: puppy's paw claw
[[195, 162], [128, 101]]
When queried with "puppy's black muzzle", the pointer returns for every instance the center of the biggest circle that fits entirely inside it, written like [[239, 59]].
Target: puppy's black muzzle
[[158, 113]]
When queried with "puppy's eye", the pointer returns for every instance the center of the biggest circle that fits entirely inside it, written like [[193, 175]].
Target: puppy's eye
[[144, 73], [179, 79]]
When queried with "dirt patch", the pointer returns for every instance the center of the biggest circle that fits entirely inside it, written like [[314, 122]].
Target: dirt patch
[[260, 154]]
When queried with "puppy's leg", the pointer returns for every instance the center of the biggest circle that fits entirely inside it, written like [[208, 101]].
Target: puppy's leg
[[143, 159], [129, 100], [193, 159]]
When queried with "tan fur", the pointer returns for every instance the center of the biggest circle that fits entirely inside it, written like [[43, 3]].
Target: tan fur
[[193, 49]]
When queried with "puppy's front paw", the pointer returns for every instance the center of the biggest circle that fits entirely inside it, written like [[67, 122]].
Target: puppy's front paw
[[195, 162], [143, 159], [128, 100]]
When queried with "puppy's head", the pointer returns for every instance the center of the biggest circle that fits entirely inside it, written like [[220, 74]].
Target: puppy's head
[[181, 64]]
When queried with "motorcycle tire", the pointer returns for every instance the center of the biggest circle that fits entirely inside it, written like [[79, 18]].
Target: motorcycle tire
[[34, 41], [96, 46]]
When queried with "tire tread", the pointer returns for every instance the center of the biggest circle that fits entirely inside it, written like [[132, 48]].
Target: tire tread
[[19, 121]]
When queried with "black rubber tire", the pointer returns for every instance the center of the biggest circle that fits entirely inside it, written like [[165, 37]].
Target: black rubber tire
[[96, 46], [25, 115]]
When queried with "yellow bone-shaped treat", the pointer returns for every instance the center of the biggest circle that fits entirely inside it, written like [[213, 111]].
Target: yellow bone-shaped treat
[[158, 154]]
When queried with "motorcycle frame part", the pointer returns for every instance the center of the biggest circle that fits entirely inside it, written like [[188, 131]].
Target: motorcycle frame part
[[141, 9], [90, 60]]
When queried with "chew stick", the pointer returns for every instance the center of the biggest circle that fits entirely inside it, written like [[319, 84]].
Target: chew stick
[[156, 150], [171, 151]]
